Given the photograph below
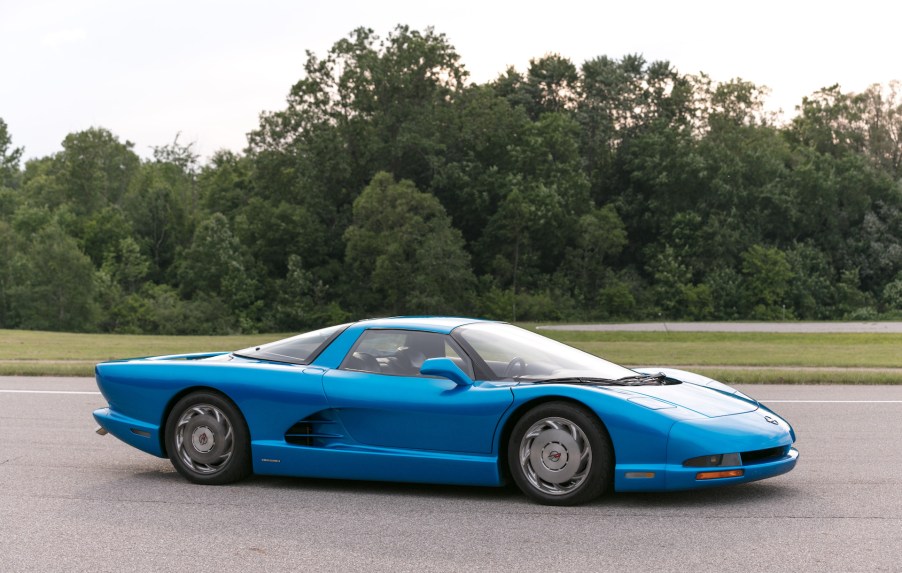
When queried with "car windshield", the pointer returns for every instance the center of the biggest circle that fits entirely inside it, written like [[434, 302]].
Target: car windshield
[[514, 353], [297, 349]]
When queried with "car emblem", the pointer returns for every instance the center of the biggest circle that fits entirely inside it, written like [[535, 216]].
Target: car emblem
[[771, 420], [554, 456], [202, 439]]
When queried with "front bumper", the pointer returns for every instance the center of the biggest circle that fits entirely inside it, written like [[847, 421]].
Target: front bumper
[[748, 433], [676, 478]]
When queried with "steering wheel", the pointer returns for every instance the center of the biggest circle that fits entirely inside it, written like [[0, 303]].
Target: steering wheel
[[515, 363]]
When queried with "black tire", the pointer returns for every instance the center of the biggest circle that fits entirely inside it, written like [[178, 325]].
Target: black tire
[[207, 439], [560, 454]]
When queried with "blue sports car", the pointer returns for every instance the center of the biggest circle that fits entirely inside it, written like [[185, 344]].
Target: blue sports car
[[441, 400]]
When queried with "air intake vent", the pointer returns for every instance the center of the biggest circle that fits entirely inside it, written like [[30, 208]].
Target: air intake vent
[[313, 433], [763, 456]]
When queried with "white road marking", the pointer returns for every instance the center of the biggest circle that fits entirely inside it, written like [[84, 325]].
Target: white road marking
[[765, 401], [831, 401], [47, 392]]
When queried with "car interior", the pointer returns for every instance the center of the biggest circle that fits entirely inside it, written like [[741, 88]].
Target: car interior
[[401, 352]]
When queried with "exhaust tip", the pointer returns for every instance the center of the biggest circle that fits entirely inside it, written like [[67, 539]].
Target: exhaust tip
[[101, 431]]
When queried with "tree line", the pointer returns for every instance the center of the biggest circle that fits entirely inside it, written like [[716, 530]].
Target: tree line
[[390, 184]]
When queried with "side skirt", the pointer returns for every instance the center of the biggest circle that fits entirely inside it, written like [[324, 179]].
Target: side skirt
[[272, 457]]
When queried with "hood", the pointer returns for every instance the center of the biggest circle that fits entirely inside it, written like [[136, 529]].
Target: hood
[[697, 393]]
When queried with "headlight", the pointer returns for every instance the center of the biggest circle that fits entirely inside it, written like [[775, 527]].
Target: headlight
[[714, 461]]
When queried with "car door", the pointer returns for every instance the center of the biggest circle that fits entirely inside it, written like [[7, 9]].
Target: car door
[[382, 400]]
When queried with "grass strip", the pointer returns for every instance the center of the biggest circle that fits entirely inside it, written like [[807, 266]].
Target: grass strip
[[37, 345], [740, 349], [789, 376], [722, 356]]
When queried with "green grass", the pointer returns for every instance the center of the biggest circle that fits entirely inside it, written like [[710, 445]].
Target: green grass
[[723, 356], [35, 345], [788, 376], [740, 349], [71, 368], [34, 353]]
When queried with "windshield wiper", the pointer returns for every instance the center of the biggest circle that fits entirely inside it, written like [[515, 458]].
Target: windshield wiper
[[639, 380], [643, 380]]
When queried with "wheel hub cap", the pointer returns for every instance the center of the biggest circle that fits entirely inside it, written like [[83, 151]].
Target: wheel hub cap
[[555, 456], [202, 439], [550, 455]]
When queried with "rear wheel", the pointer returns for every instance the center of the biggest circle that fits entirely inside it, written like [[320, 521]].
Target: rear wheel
[[560, 454], [207, 439]]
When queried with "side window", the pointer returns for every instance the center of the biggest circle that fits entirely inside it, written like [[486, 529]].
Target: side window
[[402, 352], [297, 349], [455, 353]]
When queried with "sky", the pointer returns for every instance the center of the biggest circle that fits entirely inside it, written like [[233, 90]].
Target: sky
[[206, 69]]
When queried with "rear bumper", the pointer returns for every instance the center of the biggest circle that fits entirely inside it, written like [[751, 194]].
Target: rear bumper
[[146, 437]]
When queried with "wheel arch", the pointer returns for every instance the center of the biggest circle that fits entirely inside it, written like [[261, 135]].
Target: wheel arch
[[521, 410], [167, 411]]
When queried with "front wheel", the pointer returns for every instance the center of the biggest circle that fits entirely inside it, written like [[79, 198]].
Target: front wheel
[[560, 454], [207, 439]]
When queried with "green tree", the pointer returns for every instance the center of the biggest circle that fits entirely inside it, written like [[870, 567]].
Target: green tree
[[369, 104], [539, 177], [536, 219], [9, 158], [160, 211], [93, 170], [892, 295], [160, 310], [883, 124], [675, 294], [620, 100], [550, 85], [403, 246], [766, 274], [601, 236], [126, 265], [10, 245], [272, 230], [828, 123], [53, 284], [811, 291], [481, 134], [120, 281], [850, 300], [215, 265], [725, 285], [303, 302], [226, 183], [526, 226], [104, 231]]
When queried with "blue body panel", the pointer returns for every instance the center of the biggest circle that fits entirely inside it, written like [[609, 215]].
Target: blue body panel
[[368, 463], [272, 397], [415, 429], [417, 413]]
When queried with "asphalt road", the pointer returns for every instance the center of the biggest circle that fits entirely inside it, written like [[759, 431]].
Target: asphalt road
[[74, 501]]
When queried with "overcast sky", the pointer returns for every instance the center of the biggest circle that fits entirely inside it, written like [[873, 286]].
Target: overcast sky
[[147, 70]]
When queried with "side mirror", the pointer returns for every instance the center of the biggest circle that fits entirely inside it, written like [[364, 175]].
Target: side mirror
[[446, 368]]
